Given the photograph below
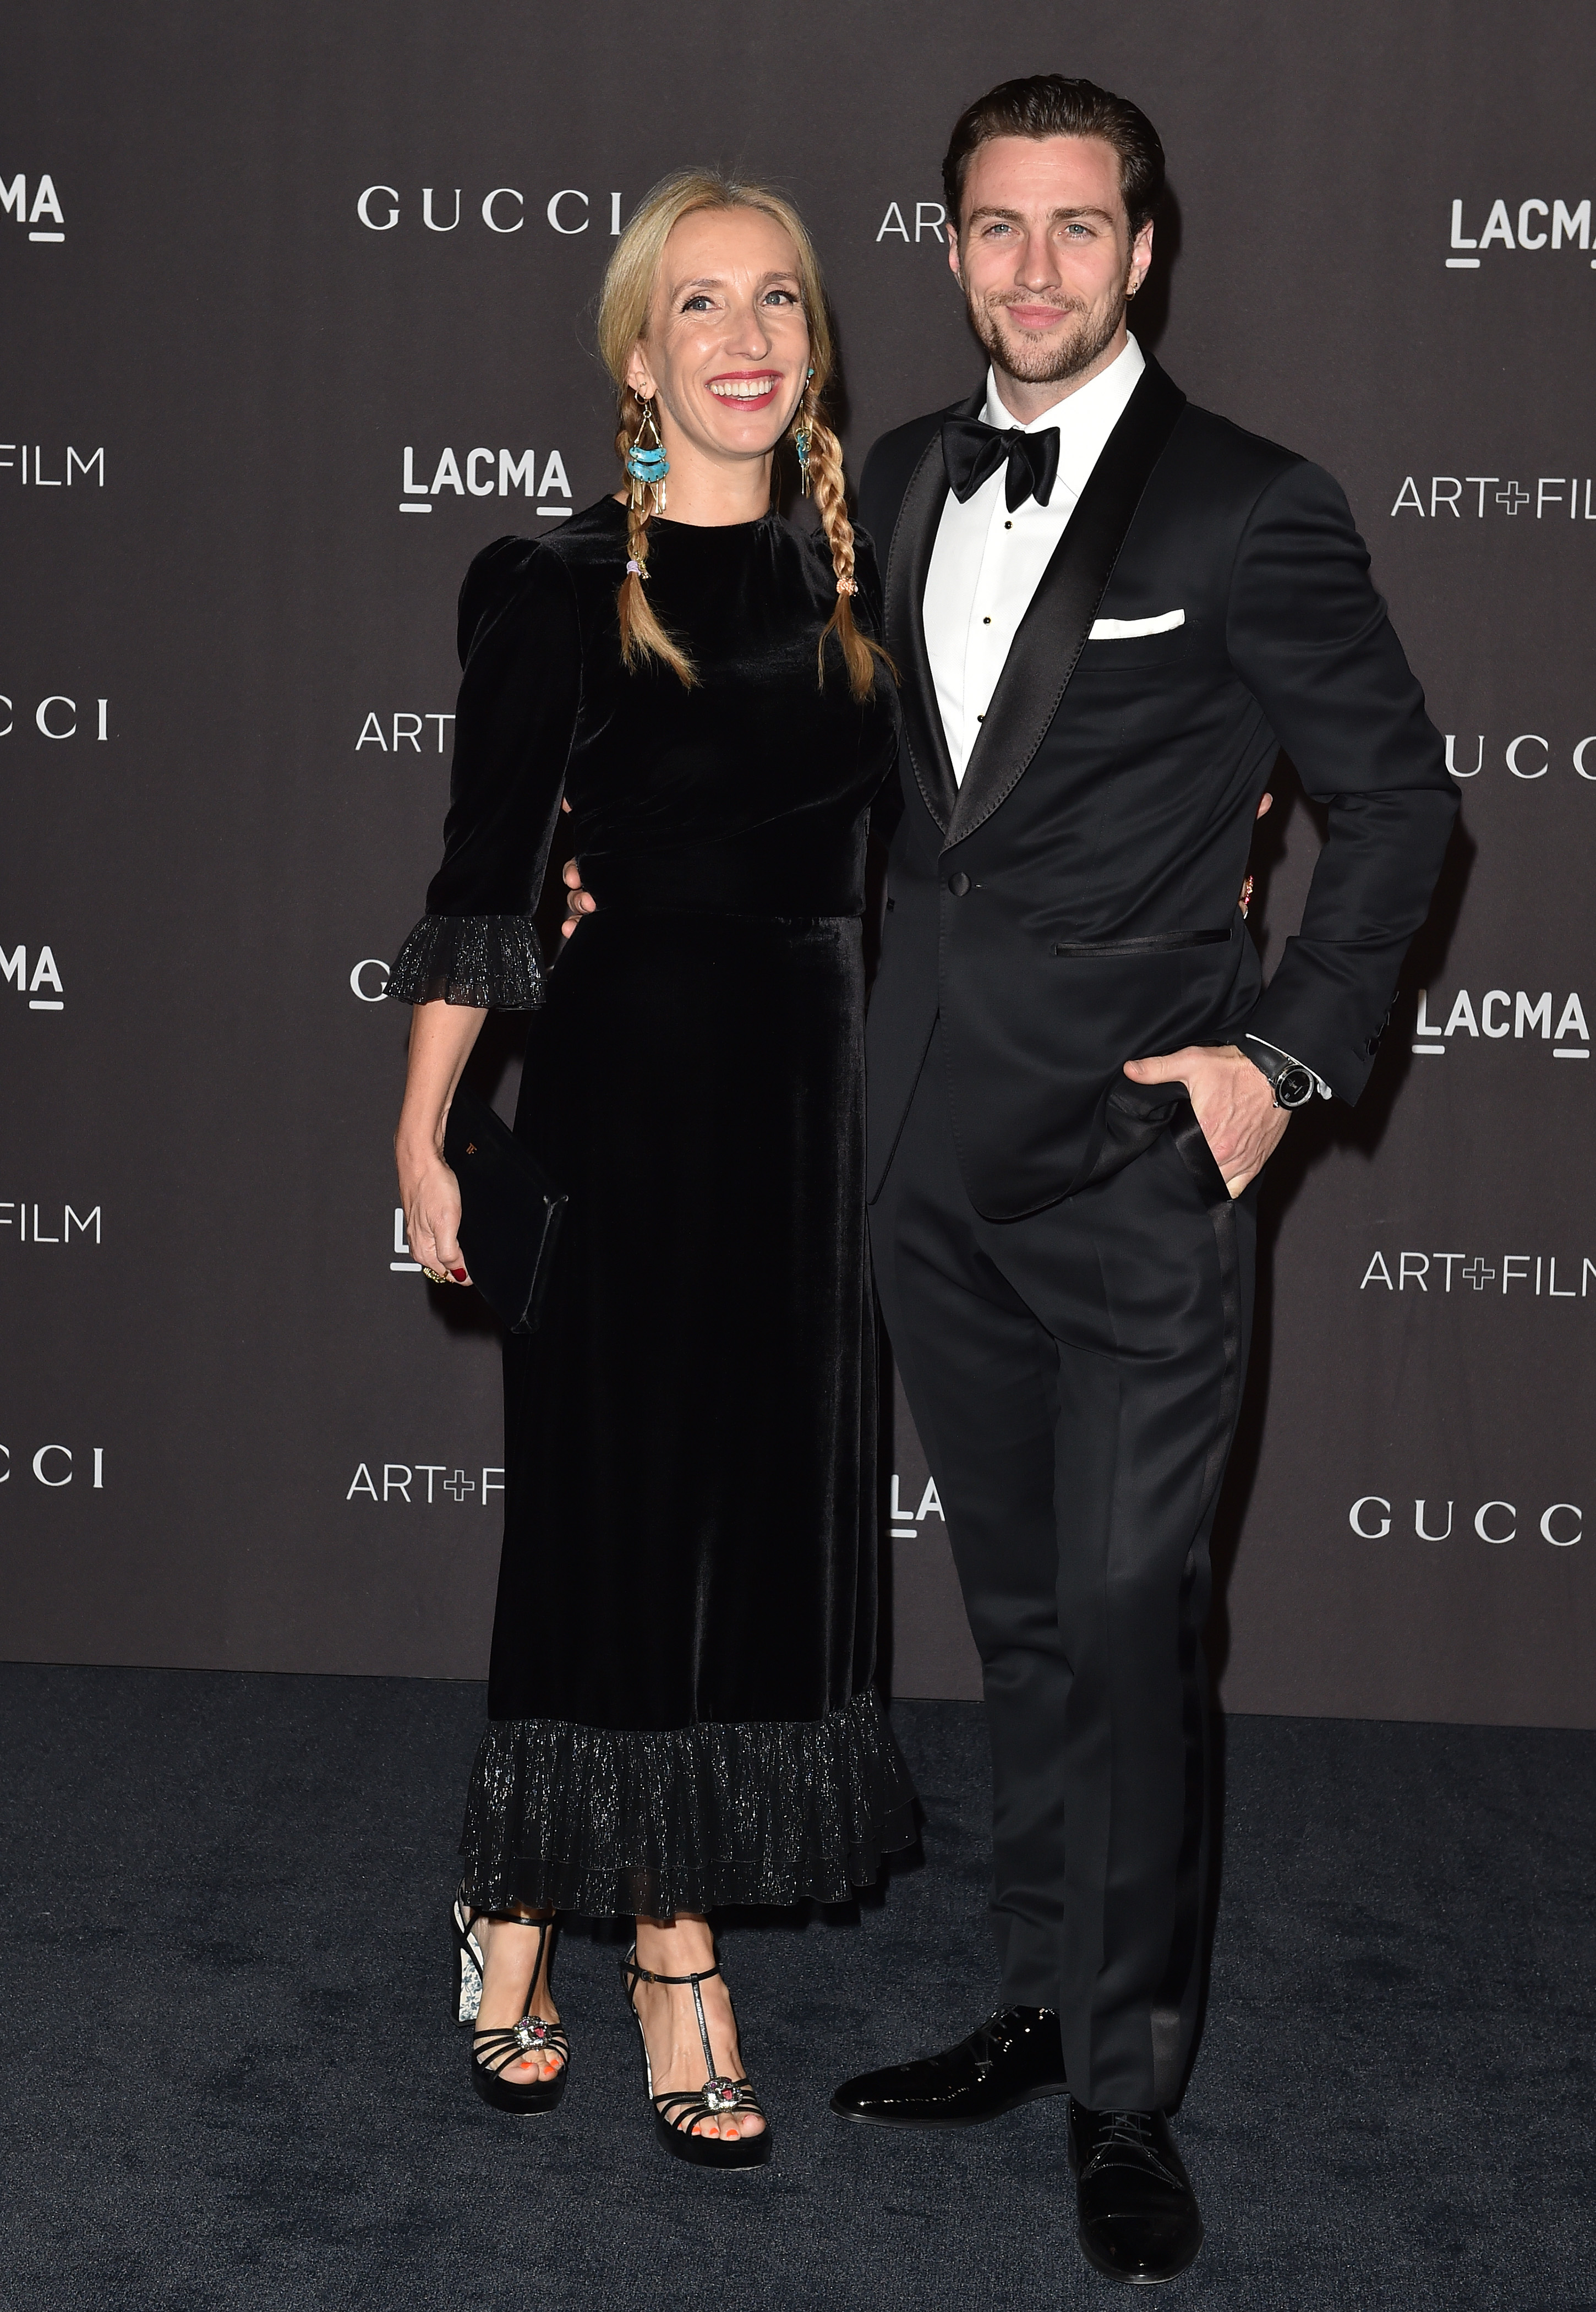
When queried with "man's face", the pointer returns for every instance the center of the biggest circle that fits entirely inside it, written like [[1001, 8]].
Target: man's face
[[1044, 253]]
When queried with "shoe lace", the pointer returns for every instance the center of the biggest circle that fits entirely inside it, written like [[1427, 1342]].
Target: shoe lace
[[1131, 2132]]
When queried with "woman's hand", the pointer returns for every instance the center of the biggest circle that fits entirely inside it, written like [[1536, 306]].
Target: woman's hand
[[578, 902], [440, 1038], [430, 1196]]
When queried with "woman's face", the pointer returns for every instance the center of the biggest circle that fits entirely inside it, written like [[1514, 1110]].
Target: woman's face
[[728, 347]]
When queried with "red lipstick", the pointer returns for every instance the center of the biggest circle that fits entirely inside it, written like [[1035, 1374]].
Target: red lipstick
[[745, 400]]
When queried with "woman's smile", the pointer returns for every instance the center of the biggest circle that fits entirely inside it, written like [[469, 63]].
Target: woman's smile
[[749, 389]]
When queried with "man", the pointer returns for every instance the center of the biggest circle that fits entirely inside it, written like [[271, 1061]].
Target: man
[[1109, 610]]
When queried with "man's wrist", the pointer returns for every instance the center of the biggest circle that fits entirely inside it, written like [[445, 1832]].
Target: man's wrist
[[1291, 1081]]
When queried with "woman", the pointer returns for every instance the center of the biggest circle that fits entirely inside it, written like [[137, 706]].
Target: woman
[[680, 1704]]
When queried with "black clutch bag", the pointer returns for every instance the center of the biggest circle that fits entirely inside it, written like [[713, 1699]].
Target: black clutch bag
[[510, 1210]]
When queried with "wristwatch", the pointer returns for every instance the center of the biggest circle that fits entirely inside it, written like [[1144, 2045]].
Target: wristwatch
[[1294, 1084]]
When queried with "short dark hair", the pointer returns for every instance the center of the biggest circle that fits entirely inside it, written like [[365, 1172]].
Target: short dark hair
[[1048, 105]]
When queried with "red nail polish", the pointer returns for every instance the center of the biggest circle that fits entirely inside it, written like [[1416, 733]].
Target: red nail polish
[[458, 1274]]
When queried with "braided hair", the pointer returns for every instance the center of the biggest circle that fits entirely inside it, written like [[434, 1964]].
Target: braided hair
[[643, 637], [859, 653]]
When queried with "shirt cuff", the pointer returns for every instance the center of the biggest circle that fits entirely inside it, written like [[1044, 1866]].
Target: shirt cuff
[[1291, 1060], [493, 962]]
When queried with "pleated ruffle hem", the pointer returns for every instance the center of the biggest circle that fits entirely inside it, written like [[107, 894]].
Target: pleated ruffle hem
[[613, 1824]]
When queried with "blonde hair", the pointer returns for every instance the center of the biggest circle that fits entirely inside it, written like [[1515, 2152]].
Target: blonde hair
[[625, 306]]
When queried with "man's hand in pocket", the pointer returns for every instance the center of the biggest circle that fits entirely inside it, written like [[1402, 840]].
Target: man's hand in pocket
[[1233, 1101]]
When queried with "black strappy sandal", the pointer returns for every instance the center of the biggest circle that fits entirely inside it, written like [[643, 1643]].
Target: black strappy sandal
[[677, 2115], [493, 2051]]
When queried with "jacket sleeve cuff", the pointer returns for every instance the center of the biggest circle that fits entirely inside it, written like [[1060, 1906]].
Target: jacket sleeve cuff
[[491, 961]]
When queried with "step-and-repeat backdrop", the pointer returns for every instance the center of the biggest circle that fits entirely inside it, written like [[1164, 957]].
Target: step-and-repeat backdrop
[[299, 302]]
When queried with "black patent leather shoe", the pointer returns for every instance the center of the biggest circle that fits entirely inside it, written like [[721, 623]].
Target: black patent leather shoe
[[1015, 2056], [1139, 2214]]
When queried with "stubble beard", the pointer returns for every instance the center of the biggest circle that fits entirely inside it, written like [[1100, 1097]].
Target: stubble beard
[[1059, 360]]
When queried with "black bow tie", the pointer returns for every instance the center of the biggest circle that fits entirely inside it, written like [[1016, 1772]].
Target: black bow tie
[[972, 452]]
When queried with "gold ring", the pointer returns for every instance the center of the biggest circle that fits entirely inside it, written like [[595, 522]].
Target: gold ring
[[436, 1276]]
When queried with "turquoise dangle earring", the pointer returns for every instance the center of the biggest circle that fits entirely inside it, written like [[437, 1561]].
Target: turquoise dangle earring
[[800, 439], [647, 464]]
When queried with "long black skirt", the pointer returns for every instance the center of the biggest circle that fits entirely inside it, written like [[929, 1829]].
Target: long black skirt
[[682, 1710]]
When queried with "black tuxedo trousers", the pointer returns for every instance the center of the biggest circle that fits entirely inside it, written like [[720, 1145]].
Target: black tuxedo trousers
[[1074, 1375]]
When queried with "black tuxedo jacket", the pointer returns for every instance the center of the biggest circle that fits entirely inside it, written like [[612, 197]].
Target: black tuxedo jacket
[[1072, 904]]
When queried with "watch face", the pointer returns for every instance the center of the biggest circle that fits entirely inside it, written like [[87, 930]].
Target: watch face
[[1293, 1087]]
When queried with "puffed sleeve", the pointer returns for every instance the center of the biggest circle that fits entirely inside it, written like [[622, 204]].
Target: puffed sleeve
[[520, 649]]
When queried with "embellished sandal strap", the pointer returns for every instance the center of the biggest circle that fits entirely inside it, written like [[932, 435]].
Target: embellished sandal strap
[[533, 2028], [494, 2049], [685, 2107]]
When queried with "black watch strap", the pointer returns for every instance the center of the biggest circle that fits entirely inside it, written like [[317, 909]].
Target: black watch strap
[[1293, 1084]]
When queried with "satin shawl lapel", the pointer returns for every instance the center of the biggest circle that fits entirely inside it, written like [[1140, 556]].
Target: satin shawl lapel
[[908, 563], [1054, 629]]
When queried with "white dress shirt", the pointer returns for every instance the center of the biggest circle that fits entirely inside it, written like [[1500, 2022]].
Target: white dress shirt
[[987, 563]]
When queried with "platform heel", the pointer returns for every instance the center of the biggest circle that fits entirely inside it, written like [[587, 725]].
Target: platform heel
[[469, 1963]]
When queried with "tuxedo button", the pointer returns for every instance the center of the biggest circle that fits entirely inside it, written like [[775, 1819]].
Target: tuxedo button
[[958, 884]]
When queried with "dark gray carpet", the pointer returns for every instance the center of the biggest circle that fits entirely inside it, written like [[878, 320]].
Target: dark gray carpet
[[232, 2081]]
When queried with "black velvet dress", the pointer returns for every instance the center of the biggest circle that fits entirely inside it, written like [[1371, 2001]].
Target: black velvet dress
[[681, 1711]]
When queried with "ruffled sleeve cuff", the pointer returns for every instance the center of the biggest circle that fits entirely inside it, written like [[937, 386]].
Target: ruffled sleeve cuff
[[493, 961]]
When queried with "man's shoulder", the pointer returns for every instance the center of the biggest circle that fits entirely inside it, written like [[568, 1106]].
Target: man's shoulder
[[1227, 451], [1233, 480]]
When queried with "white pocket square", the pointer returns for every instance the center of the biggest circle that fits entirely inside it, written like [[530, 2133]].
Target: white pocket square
[[1120, 630]]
